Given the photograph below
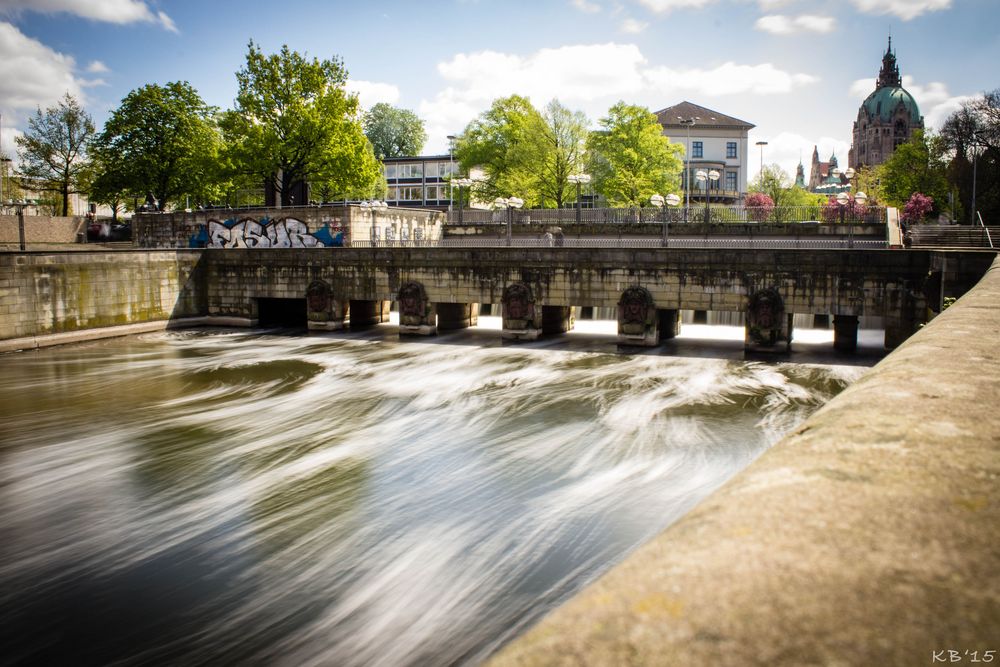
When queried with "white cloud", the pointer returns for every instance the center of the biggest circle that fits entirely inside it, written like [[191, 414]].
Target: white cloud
[[730, 79], [31, 74], [632, 26], [586, 6], [904, 9], [97, 67], [862, 88], [586, 77], [109, 11], [768, 5], [779, 24], [371, 93], [664, 6]]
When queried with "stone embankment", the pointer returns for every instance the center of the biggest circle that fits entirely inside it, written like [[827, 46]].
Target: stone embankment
[[868, 536]]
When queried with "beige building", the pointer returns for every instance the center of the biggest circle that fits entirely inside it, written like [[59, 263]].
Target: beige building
[[712, 141]]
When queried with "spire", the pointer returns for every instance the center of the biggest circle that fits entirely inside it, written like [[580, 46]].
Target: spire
[[888, 76]]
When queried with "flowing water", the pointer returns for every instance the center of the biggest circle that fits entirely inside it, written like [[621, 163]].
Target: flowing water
[[228, 497]]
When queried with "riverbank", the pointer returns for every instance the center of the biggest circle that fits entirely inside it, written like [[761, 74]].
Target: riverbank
[[867, 536]]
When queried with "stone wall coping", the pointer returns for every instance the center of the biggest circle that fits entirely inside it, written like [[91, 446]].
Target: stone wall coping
[[867, 536]]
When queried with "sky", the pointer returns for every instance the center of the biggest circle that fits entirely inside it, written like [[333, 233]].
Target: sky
[[797, 69]]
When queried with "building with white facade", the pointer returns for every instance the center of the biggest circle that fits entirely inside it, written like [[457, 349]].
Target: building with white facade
[[711, 140]]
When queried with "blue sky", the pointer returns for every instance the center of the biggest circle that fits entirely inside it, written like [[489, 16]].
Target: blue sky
[[798, 69]]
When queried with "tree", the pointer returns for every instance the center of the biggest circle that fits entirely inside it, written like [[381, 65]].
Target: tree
[[758, 205], [294, 122], [394, 132], [503, 142], [631, 158], [161, 140], [972, 136], [917, 208], [53, 151], [916, 166], [562, 136]]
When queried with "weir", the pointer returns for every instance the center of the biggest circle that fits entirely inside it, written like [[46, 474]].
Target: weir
[[439, 288]]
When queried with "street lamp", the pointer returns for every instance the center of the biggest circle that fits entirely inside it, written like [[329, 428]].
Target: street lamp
[[687, 163], [19, 206], [451, 168], [849, 173], [461, 183], [4, 163], [761, 144], [376, 207], [843, 199], [707, 177], [579, 179], [507, 204], [658, 201], [976, 149]]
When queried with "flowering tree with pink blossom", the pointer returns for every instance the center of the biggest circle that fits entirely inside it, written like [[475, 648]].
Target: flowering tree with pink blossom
[[917, 207], [759, 206]]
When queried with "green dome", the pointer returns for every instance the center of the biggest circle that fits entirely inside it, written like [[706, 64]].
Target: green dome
[[883, 102]]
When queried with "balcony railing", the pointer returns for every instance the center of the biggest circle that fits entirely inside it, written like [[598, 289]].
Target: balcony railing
[[695, 214]]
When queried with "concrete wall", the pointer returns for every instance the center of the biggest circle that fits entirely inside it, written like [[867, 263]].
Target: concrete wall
[[800, 230], [866, 537], [867, 282], [52, 293], [298, 227], [42, 229]]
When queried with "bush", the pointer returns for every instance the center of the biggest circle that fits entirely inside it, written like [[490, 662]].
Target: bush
[[759, 206], [853, 211], [917, 208]]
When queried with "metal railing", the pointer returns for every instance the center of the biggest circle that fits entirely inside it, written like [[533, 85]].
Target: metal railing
[[989, 237], [695, 214], [649, 242]]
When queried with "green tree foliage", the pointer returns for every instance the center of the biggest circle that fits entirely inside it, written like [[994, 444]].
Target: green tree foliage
[[161, 140], [503, 143], [916, 166], [394, 132], [788, 198], [973, 132], [294, 121], [631, 159], [53, 151], [562, 139]]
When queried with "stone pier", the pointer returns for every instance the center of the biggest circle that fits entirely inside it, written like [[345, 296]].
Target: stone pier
[[452, 316], [845, 333]]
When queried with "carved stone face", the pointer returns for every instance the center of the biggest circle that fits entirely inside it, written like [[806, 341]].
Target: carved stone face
[[517, 303], [318, 297], [412, 301], [765, 309], [635, 303]]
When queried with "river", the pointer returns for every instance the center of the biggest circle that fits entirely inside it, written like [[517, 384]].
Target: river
[[236, 497]]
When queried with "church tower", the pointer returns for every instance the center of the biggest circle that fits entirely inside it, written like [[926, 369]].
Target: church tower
[[887, 118]]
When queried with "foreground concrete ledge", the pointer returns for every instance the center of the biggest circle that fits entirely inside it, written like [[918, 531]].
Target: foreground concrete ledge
[[66, 337], [868, 536]]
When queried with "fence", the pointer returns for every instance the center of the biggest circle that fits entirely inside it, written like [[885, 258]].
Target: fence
[[695, 214], [671, 242]]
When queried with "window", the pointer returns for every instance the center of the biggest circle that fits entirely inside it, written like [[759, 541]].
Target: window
[[392, 194], [730, 149], [731, 181], [390, 171], [410, 193], [436, 192], [410, 171], [696, 149]]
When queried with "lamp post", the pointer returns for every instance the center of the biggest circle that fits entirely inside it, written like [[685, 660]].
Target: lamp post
[[4, 163], [19, 206], [849, 173], [761, 144], [579, 179], [976, 149], [508, 203], [461, 183], [376, 207], [687, 163], [707, 177], [843, 199], [451, 169], [658, 201]]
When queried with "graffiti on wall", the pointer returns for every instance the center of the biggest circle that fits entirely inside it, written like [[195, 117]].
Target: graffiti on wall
[[266, 233]]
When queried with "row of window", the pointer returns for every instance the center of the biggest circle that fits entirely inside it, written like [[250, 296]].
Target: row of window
[[390, 233], [729, 182], [417, 193], [420, 170], [698, 150]]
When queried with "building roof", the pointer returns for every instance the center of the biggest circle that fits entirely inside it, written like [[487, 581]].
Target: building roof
[[884, 101], [670, 117]]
